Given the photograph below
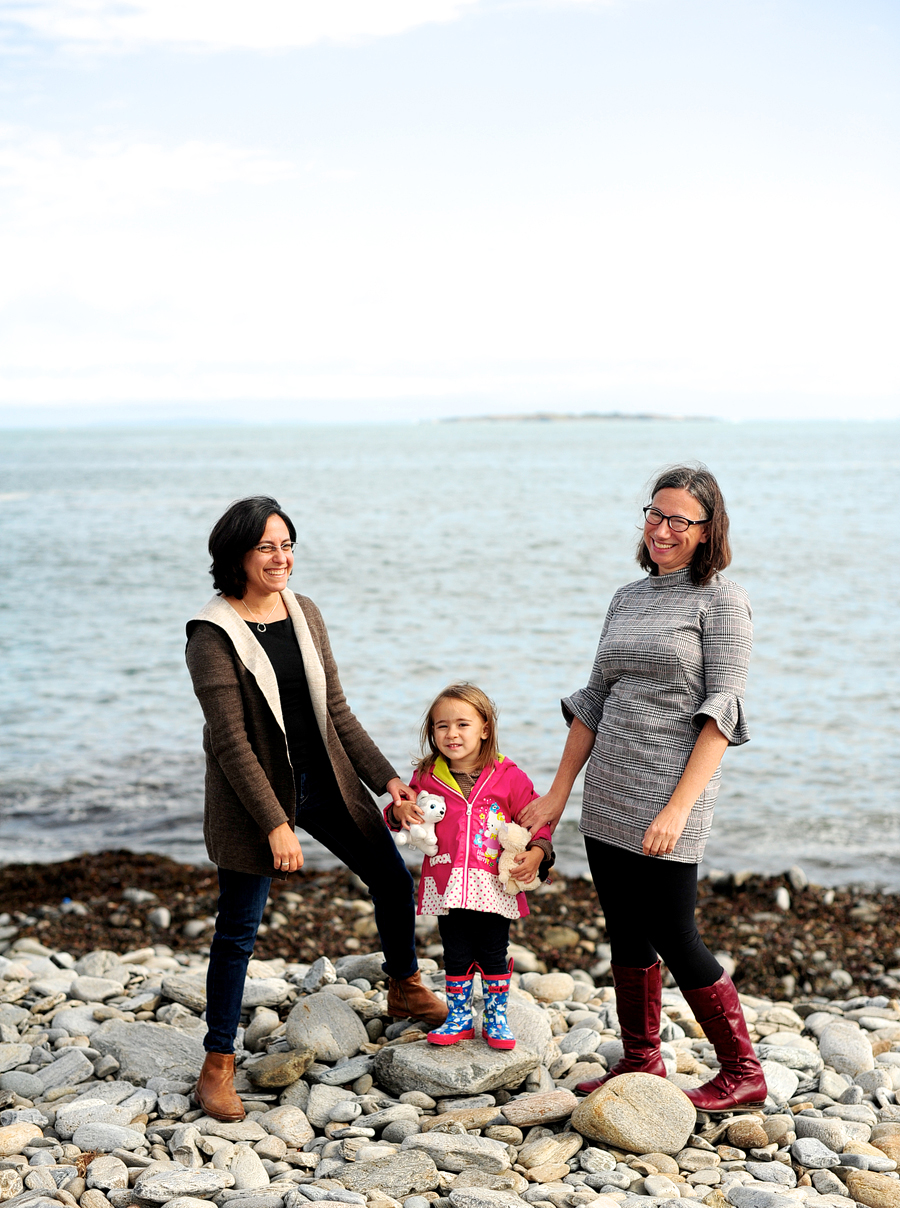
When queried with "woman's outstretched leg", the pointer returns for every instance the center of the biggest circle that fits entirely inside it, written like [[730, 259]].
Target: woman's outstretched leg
[[242, 900]]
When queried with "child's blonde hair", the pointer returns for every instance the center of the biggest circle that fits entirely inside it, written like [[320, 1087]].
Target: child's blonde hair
[[482, 704]]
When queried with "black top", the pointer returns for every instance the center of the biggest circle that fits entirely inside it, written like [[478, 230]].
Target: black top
[[304, 739]]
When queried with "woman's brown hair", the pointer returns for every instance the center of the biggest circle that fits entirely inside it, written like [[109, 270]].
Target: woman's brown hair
[[712, 555], [482, 704]]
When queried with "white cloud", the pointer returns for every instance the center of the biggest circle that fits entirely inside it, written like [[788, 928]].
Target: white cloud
[[127, 25], [46, 181], [139, 272]]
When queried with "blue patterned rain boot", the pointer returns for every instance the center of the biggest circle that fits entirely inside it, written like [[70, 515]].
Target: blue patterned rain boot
[[459, 1024], [494, 1028]]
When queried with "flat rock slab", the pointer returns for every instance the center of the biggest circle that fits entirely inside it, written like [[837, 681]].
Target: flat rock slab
[[12, 1055], [146, 1050], [94, 989], [69, 1070], [87, 1110], [401, 1175], [187, 988], [327, 1025], [104, 1138], [281, 1069], [759, 1197], [237, 1130], [639, 1113], [483, 1197], [346, 1073], [468, 1067], [162, 1186], [811, 1153], [457, 1151], [544, 1108], [472, 1117], [367, 965]]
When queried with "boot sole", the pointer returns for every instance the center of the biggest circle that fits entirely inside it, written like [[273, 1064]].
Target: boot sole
[[220, 1116], [498, 1044], [731, 1111], [434, 1038]]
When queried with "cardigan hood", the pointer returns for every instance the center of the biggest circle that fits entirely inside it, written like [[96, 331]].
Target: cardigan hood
[[218, 611]]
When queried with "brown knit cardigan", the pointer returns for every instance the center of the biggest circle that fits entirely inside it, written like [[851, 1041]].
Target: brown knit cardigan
[[249, 779]]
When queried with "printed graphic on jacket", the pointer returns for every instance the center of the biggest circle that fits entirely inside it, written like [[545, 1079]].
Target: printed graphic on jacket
[[488, 841], [464, 872]]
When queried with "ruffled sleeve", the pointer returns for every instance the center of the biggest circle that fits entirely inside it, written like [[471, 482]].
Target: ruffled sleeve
[[587, 703], [727, 638]]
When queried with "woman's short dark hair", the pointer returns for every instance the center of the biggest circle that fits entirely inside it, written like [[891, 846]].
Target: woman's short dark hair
[[715, 553], [234, 534]]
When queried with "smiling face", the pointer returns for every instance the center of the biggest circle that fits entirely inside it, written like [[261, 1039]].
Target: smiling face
[[673, 551], [458, 730], [268, 572]]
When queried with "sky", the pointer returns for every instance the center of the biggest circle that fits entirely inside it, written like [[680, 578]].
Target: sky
[[401, 209]]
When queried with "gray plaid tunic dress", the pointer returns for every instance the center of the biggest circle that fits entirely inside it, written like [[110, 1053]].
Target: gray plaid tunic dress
[[671, 655]]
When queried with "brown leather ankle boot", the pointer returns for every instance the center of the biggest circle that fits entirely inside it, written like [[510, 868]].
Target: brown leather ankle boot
[[215, 1088], [409, 999]]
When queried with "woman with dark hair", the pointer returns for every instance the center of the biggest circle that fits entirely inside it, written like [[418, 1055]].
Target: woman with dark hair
[[282, 747], [663, 702]]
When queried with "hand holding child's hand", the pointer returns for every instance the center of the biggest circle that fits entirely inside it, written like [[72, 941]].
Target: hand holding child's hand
[[527, 864], [406, 812]]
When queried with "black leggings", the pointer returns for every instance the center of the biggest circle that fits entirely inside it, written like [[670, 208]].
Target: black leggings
[[474, 936], [649, 908]]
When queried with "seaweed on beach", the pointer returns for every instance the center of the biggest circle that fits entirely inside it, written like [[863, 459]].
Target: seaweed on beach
[[828, 942]]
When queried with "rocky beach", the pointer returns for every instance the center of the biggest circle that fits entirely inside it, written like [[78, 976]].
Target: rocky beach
[[101, 1023]]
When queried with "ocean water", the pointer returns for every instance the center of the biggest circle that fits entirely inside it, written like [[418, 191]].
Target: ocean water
[[436, 552]]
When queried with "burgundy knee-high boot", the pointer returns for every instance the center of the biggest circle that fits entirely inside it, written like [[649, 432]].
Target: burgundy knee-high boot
[[740, 1081], [639, 1005]]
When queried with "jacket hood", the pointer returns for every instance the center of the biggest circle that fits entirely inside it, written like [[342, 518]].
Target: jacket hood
[[219, 612]]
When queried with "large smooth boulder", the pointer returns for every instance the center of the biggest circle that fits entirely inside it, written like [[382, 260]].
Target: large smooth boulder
[[147, 1050], [874, 1190], [846, 1048], [327, 1025], [457, 1151], [466, 1068], [399, 1176], [638, 1113]]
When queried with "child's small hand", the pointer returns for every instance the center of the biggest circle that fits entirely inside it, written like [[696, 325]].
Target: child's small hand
[[406, 812], [527, 864]]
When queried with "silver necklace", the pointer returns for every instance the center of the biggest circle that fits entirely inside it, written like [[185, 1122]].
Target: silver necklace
[[260, 625]]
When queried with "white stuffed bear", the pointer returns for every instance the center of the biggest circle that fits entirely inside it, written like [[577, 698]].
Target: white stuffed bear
[[513, 840], [421, 834]]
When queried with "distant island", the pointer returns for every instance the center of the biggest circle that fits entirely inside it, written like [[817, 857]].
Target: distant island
[[563, 417]]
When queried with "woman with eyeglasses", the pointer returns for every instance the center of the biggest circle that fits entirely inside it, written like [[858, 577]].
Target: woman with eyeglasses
[[283, 748], [664, 700]]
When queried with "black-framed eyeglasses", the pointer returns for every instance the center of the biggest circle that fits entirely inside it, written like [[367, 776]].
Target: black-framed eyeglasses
[[678, 524], [267, 549]]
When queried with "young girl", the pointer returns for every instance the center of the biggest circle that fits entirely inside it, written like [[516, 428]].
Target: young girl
[[460, 762]]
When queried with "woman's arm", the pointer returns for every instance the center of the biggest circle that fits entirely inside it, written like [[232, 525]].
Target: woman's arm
[[665, 830], [547, 810], [210, 663]]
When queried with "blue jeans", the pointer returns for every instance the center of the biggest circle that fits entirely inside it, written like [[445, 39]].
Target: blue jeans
[[321, 812]]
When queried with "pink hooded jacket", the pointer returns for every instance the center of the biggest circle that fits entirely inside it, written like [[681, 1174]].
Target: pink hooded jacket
[[463, 874]]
